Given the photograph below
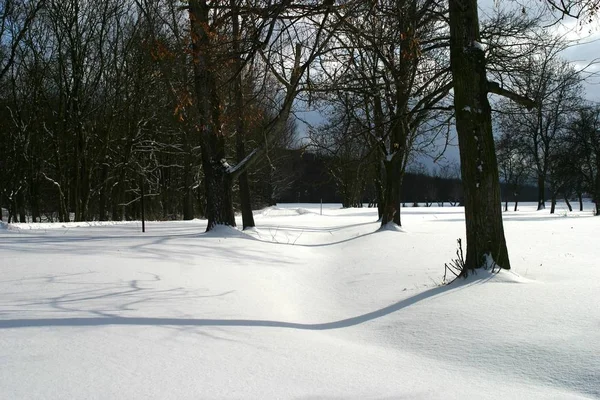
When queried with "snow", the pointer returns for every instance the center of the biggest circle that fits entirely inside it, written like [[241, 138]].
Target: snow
[[478, 46], [303, 306]]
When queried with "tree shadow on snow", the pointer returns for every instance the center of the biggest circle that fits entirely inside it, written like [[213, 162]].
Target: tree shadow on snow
[[105, 319]]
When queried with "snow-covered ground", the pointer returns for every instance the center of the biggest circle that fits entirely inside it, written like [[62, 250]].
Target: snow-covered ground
[[306, 306]]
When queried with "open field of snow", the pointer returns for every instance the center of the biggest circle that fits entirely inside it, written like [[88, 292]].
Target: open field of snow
[[306, 306]]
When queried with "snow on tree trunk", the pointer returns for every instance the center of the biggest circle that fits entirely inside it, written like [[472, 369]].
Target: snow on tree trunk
[[483, 210]]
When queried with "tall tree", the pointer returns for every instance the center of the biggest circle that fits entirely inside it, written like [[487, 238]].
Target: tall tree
[[274, 23], [486, 242]]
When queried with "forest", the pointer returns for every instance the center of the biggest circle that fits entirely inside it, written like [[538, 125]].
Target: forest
[[190, 107]]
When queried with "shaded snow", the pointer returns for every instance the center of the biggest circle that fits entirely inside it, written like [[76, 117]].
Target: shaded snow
[[303, 306]]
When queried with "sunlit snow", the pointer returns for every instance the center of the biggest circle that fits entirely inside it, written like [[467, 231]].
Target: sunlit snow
[[304, 306]]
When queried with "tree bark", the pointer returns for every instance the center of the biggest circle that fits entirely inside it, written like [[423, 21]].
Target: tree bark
[[219, 204], [580, 197], [541, 193], [391, 195], [21, 207], [481, 184], [240, 131], [597, 188], [553, 203], [188, 193]]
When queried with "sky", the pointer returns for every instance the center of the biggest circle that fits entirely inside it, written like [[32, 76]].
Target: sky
[[581, 55]]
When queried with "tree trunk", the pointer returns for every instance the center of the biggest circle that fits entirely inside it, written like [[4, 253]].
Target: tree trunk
[[516, 203], [506, 206], [188, 193], [481, 184], [103, 194], [541, 193], [379, 189], [21, 207], [244, 187], [391, 195], [12, 211], [34, 200], [597, 188], [553, 203], [580, 198], [219, 204], [245, 201], [568, 204]]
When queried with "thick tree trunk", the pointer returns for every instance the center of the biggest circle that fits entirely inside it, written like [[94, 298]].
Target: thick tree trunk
[[481, 184], [219, 204], [391, 195], [553, 203], [541, 193], [506, 206]]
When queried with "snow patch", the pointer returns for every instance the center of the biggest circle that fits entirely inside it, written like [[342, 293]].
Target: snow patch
[[176, 314], [275, 211], [477, 45], [62, 225], [391, 226]]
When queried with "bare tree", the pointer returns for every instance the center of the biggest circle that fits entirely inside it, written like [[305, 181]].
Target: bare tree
[[583, 148], [287, 60], [512, 161]]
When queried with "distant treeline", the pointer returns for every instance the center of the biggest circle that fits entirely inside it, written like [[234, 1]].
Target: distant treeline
[[314, 183], [292, 176]]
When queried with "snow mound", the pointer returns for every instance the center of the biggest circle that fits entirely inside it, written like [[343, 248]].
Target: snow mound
[[390, 226], [489, 276], [284, 212], [224, 231], [3, 226]]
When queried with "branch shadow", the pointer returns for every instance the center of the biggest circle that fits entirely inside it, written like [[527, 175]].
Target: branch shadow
[[112, 320]]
